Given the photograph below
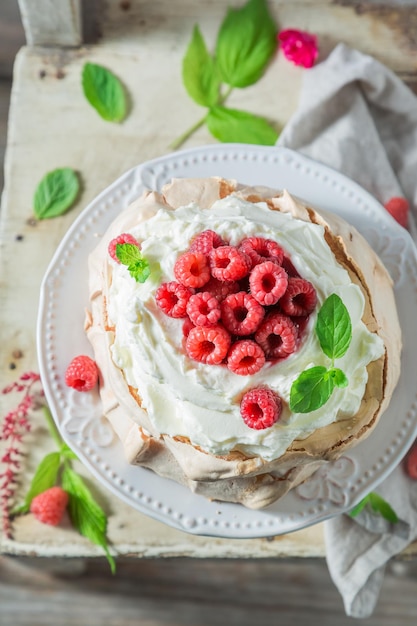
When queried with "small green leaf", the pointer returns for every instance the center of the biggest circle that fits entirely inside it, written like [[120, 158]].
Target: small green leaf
[[339, 377], [381, 506], [311, 390], [44, 478], [130, 255], [359, 507], [245, 44], [67, 453], [234, 126], [104, 92], [199, 72], [334, 327], [86, 515], [56, 193]]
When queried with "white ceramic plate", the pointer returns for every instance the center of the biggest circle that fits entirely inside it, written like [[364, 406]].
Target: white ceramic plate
[[333, 489]]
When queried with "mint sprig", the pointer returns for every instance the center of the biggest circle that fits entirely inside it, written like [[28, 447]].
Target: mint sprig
[[378, 506], [245, 44], [86, 515], [314, 386], [129, 254]]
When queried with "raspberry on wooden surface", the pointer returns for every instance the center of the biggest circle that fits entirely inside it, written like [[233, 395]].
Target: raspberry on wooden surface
[[241, 313], [81, 373], [245, 357], [208, 344], [172, 298], [49, 506], [260, 408], [192, 269]]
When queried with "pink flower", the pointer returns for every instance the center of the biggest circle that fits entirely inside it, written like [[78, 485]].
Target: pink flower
[[299, 47]]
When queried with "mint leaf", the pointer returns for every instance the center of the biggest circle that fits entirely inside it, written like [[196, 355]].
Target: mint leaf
[[104, 92], [130, 255], [67, 453], [86, 515], [44, 478], [334, 327], [56, 193], [246, 42], [311, 390], [199, 72], [378, 505], [234, 126], [381, 506], [359, 507]]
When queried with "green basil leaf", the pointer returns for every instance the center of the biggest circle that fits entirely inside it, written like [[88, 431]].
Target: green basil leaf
[[245, 44], [56, 193], [67, 453], [381, 506], [43, 479], [199, 72], [334, 327], [359, 507], [87, 517], [104, 92], [233, 126], [339, 378], [311, 390]]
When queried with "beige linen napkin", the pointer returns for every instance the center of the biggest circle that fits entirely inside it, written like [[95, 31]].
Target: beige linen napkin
[[358, 117]]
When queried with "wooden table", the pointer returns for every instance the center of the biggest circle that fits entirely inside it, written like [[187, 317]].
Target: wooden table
[[50, 125]]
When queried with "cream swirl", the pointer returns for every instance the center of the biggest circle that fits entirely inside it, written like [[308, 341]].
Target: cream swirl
[[202, 402]]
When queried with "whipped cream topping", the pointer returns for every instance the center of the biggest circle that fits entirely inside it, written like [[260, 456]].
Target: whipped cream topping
[[202, 402]]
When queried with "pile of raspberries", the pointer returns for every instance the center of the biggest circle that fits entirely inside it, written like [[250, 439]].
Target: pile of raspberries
[[242, 305]]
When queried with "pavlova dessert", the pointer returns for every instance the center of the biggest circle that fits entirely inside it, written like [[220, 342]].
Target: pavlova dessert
[[242, 337]]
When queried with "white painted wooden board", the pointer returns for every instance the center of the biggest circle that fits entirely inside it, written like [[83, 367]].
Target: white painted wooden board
[[51, 125], [52, 22]]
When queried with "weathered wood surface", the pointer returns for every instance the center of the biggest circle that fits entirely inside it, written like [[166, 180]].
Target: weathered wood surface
[[51, 23], [51, 125], [188, 592]]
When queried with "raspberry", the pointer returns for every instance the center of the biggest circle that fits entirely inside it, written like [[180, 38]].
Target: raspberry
[[241, 313], [208, 344], [260, 249], [203, 309], [299, 299], [123, 238], [82, 373], [228, 263], [206, 241], [245, 357], [221, 290], [277, 336], [410, 463], [172, 298], [268, 282], [48, 507], [398, 208], [192, 269], [187, 326], [260, 408]]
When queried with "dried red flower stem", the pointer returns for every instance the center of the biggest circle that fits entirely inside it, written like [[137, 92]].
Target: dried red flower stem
[[12, 430]]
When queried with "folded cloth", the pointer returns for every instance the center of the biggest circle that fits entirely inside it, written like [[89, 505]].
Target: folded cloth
[[358, 117]]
